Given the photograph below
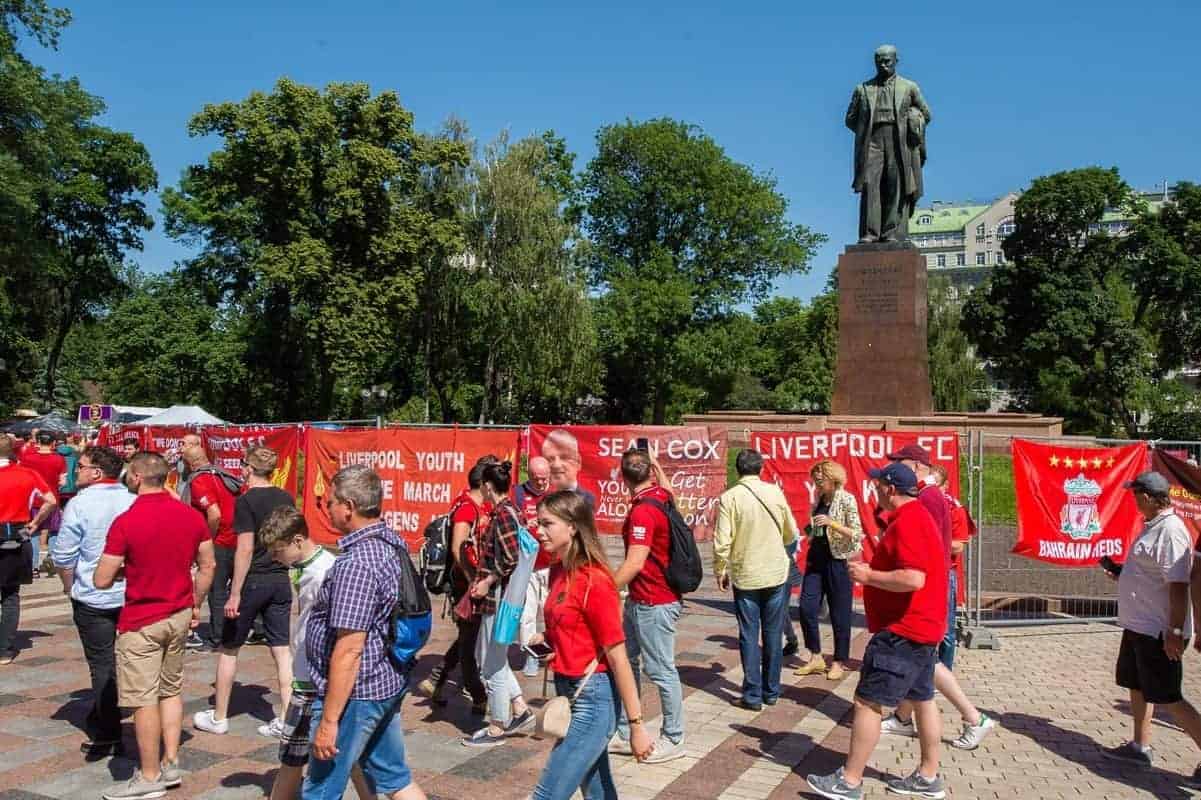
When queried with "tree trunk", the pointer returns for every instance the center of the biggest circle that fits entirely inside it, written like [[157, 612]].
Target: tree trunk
[[660, 406], [70, 310], [489, 378]]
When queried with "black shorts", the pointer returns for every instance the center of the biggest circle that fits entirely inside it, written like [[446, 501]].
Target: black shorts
[[895, 669], [274, 602], [1145, 667]]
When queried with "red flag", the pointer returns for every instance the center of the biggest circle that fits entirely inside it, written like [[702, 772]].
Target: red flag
[[1186, 487], [1072, 509]]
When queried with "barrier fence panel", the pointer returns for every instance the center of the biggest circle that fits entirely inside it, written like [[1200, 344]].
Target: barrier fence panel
[[1006, 589]]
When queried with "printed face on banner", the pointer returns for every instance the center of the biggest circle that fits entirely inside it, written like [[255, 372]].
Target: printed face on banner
[[1072, 507], [422, 471], [587, 458]]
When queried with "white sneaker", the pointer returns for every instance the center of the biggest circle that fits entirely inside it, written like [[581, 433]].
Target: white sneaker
[[665, 750], [619, 746], [207, 721], [273, 729], [893, 724], [973, 735]]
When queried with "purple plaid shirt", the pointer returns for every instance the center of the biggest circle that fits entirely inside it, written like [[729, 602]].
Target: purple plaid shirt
[[358, 594]]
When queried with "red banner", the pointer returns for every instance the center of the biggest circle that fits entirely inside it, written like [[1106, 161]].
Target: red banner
[[226, 445], [423, 470], [1186, 487], [788, 458], [589, 456], [1072, 509]]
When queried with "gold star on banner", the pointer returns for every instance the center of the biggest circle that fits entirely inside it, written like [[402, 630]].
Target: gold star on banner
[[1096, 463], [1067, 462], [1109, 462], [1055, 461]]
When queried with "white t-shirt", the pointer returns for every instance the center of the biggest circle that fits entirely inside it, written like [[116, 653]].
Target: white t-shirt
[[307, 577], [1162, 554]]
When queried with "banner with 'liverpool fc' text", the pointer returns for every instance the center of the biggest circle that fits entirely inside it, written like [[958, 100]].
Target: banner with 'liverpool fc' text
[[588, 457], [1072, 509], [422, 469]]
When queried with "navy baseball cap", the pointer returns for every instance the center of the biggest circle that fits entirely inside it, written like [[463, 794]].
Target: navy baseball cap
[[898, 476]]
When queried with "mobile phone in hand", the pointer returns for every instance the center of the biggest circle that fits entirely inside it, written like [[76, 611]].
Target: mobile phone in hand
[[642, 443], [1110, 566], [539, 651]]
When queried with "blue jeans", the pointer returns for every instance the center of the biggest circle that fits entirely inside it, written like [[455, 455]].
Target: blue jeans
[[369, 734], [760, 615], [946, 648], [826, 576], [499, 680], [651, 643], [581, 759]]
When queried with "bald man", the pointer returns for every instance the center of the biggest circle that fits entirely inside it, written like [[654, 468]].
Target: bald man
[[526, 498]]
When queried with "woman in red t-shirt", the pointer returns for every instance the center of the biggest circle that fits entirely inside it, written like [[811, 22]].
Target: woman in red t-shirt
[[583, 627]]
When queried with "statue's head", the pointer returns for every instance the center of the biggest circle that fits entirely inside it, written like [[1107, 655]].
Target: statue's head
[[886, 60]]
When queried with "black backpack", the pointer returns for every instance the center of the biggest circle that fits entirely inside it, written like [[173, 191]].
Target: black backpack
[[437, 562], [683, 569], [411, 619]]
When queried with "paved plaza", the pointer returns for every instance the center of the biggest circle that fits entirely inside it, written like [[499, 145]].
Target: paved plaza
[[1050, 687]]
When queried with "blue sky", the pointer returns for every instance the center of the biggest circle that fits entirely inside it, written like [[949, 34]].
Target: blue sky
[[1018, 90]]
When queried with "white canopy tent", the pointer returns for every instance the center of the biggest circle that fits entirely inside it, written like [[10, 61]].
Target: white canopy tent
[[182, 415]]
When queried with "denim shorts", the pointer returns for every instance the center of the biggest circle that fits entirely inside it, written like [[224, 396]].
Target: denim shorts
[[895, 669]]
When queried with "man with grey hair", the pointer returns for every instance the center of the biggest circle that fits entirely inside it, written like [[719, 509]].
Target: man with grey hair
[[359, 689], [889, 117], [754, 528], [562, 452]]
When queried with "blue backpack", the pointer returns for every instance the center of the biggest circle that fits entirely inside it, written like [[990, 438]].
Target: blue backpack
[[411, 619]]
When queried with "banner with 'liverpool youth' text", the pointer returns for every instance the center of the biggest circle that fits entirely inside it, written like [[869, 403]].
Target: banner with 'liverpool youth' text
[[422, 469], [1072, 509], [588, 457], [1186, 488]]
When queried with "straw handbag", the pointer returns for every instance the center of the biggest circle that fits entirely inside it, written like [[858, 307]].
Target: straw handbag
[[556, 714]]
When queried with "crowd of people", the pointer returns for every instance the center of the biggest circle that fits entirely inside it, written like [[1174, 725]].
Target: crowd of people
[[139, 560]]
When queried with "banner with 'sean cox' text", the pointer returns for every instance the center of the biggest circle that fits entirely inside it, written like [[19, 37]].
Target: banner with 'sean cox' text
[[422, 471], [588, 458]]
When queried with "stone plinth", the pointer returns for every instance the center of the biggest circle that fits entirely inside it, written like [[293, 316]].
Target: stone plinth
[[883, 367]]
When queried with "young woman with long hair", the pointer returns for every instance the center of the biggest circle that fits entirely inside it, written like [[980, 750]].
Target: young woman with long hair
[[583, 625]]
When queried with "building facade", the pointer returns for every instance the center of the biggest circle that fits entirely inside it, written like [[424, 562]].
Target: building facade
[[962, 241]]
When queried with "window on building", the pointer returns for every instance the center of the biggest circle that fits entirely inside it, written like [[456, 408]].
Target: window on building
[[1000, 257], [979, 240], [960, 259], [925, 219], [980, 229], [1006, 228], [942, 260], [980, 262]]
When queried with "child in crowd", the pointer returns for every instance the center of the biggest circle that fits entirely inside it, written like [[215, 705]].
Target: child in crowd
[[286, 536]]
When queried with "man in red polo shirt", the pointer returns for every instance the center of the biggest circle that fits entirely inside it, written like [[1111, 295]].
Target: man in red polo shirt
[[208, 491], [43, 460], [905, 599], [20, 489], [156, 542], [653, 607]]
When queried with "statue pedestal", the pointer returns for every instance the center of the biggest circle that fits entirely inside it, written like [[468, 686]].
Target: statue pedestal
[[883, 366]]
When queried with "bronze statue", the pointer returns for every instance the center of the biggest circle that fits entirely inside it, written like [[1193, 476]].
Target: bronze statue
[[889, 118]]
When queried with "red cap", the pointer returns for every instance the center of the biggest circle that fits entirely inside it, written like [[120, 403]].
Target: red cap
[[911, 452]]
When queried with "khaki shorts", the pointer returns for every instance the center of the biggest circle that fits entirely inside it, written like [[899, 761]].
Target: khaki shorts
[[150, 661]]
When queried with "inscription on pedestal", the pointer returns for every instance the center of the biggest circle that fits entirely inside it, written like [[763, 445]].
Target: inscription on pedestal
[[882, 358]]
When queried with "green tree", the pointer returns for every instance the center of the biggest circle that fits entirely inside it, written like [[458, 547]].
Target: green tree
[[681, 235], [310, 220], [957, 378], [1086, 325], [163, 341], [532, 314], [70, 193]]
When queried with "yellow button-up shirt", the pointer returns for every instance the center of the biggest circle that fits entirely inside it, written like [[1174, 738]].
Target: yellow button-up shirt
[[751, 535]]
